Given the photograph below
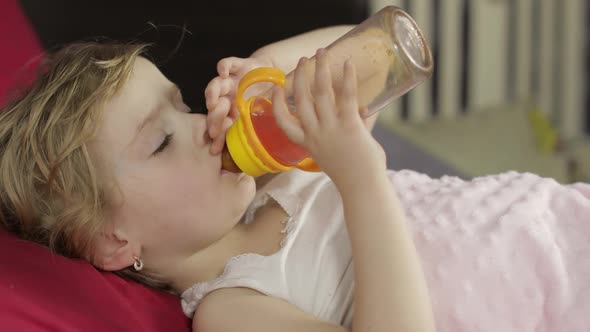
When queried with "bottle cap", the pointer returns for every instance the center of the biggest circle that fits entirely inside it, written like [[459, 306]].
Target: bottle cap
[[242, 142]]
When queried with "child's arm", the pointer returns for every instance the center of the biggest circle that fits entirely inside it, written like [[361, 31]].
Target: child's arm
[[284, 54], [390, 288]]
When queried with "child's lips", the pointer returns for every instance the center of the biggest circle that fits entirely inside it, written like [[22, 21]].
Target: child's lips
[[225, 172], [237, 176]]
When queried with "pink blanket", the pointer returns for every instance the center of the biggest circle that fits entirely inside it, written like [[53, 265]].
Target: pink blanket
[[502, 253]]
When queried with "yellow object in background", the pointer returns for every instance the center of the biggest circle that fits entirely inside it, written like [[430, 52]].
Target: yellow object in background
[[546, 135]]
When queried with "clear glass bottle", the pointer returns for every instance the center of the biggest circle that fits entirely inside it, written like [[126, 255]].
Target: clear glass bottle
[[391, 57]]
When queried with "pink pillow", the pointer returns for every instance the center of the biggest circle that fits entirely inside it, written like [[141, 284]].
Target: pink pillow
[[42, 291]]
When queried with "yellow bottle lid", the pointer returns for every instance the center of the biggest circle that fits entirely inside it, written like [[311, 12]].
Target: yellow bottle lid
[[243, 143]]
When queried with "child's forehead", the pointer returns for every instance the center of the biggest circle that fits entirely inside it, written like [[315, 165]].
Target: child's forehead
[[144, 85], [143, 69], [141, 92], [145, 91]]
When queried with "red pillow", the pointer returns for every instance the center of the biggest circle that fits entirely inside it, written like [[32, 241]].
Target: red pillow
[[42, 291], [19, 46]]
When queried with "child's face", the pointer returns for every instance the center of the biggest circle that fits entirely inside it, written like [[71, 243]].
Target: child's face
[[174, 198]]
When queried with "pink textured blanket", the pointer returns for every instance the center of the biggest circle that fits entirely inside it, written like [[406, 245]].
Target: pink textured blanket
[[502, 253]]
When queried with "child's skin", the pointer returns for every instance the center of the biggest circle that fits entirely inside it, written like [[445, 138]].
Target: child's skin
[[179, 212]]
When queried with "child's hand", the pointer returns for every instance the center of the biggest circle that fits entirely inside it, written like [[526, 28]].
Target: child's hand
[[328, 123], [221, 92]]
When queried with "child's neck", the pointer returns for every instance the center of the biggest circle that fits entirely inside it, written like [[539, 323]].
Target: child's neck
[[262, 236]]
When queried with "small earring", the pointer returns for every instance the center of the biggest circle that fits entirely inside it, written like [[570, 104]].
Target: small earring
[[138, 264]]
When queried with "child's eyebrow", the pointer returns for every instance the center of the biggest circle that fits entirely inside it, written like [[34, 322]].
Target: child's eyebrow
[[154, 113]]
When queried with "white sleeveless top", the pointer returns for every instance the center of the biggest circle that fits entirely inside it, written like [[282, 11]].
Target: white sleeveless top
[[312, 269], [509, 252]]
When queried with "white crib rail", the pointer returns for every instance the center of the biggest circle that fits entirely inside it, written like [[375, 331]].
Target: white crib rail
[[518, 51], [449, 62], [488, 46], [573, 113], [523, 48], [546, 52]]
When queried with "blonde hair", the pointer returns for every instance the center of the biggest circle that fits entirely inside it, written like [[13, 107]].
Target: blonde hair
[[50, 191]]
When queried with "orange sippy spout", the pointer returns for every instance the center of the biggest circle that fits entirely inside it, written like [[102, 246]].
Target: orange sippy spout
[[227, 163]]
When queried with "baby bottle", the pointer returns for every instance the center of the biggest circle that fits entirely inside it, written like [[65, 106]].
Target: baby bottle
[[391, 57]]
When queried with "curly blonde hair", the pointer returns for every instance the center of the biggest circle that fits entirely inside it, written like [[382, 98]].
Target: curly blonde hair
[[50, 189]]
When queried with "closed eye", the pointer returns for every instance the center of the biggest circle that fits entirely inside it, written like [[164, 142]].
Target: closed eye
[[167, 140]]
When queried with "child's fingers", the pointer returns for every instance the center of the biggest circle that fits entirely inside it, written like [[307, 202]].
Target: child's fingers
[[323, 91], [348, 98], [219, 141], [368, 120], [217, 87], [225, 86], [285, 120], [227, 66], [212, 93], [216, 117], [233, 112], [364, 112], [304, 105]]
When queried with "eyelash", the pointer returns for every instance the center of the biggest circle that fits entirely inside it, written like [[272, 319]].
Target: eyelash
[[165, 143], [167, 138]]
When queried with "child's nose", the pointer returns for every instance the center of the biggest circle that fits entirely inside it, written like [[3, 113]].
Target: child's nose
[[199, 129]]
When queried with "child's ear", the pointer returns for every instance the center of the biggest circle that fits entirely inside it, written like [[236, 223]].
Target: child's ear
[[113, 251]]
